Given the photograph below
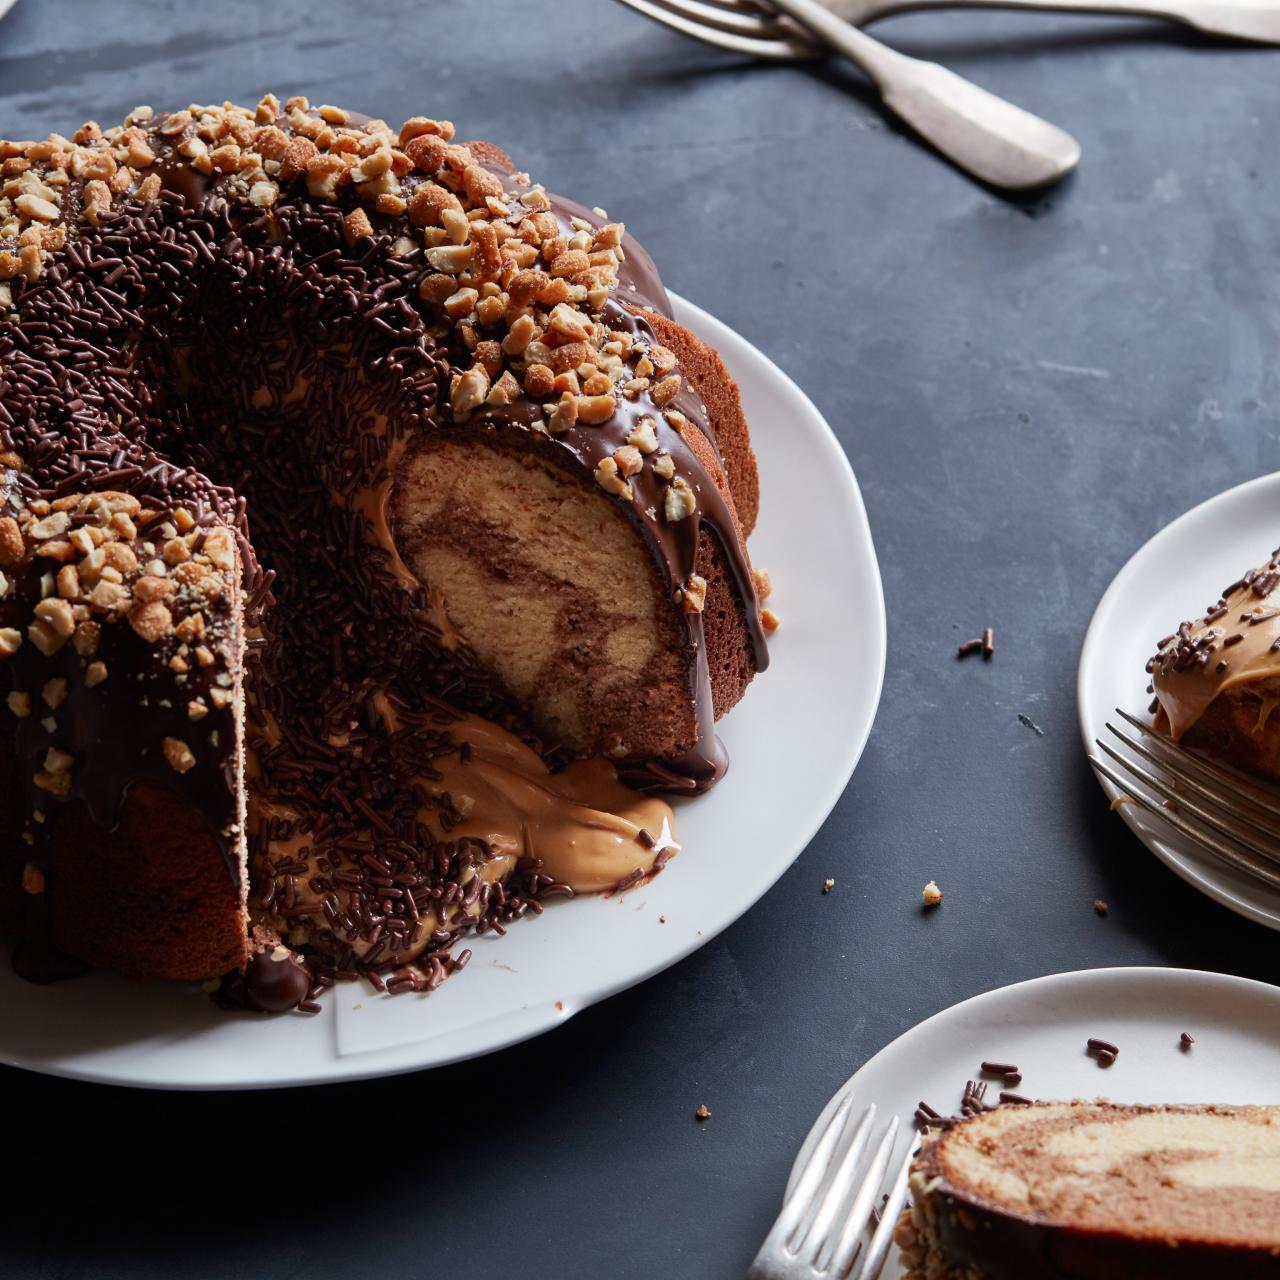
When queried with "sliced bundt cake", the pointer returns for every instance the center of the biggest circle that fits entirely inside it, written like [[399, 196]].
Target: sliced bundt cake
[[354, 486]]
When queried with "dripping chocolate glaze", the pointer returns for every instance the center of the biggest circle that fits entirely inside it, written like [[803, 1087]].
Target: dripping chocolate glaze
[[674, 545]]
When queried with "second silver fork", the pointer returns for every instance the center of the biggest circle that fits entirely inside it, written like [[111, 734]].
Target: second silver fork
[[999, 143]]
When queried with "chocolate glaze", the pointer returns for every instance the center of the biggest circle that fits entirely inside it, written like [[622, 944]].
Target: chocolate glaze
[[674, 546]]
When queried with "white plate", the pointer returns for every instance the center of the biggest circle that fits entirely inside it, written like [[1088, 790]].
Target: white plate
[[1041, 1026], [1176, 576], [793, 742]]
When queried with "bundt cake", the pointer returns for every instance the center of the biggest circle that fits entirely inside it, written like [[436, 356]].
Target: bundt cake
[[367, 521], [1216, 680], [1095, 1191]]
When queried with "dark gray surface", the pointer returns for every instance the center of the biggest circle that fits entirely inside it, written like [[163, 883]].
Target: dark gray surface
[[938, 328]]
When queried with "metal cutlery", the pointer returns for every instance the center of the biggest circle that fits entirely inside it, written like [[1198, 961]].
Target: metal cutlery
[[999, 143], [1229, 816], [821, 1232], [1235, 19]]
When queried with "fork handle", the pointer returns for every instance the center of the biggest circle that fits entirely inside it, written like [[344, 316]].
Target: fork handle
[[999, 143], [1258, 21]]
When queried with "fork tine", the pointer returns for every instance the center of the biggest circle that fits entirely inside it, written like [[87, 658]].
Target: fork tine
[[1240, 861], [859, 1211], [801, 1199], [1255, 792], [1233, 803], [1192, 806], [752, 46], [724, 15], [878, 1249], [815, 1239]]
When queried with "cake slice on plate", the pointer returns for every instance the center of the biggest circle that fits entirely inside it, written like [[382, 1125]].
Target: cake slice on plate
[[1097, 1191], [1216, 680]]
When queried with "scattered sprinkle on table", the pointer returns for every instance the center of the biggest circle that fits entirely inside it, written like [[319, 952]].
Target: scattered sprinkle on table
[[984, 644], [1186, 1040], [703, 1112], [1099, 906], [828, 884], [932, 895], [1030, 724]]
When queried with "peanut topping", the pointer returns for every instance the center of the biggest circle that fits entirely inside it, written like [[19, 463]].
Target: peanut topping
[[152, 621], [695, 594], [610, 480], [178, 755], [680, 501]]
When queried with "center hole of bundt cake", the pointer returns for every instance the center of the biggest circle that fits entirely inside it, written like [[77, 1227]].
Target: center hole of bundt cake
[[552, 587]]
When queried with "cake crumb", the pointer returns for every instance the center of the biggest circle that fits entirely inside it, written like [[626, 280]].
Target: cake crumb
[[1118, 801], [828, 884], [1100, 906], [662, 919], [703, 1112], [932, 895]]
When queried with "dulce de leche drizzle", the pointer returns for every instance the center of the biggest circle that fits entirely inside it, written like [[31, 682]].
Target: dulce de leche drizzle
[[583, 827], [1234, 643], [582, 824]]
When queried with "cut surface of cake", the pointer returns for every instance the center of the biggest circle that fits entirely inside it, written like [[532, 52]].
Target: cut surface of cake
[[1096, 1191], [1216, 679], [367, 522]]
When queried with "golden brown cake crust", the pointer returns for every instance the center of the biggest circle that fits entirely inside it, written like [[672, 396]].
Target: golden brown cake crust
[[719, 393]]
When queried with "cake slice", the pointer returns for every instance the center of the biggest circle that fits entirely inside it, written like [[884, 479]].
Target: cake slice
[[1098, 1191], [1216, 679]]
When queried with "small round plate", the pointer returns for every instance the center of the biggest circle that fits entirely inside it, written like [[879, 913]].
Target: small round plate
[[1175, 577], [793, 742], [1041, 1026]]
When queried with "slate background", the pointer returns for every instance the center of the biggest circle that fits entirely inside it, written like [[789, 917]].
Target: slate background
[[931, 322]]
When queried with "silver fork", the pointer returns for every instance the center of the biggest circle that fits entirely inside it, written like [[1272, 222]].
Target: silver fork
[[1259, 21], [1231, 817], [820, 1232], [999, 143]]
